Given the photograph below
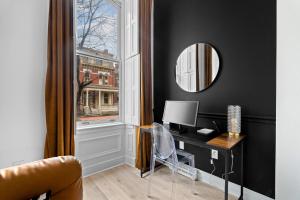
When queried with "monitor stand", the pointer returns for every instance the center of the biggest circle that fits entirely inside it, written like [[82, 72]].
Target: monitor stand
[[178, 128], [181, 129]]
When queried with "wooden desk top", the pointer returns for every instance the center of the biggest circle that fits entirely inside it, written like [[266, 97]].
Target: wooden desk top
[[225, 141]]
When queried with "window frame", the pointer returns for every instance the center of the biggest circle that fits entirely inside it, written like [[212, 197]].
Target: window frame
[[120, 60]]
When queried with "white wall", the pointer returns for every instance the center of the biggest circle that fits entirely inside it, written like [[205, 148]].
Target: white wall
[[23, 54], [288, 100]]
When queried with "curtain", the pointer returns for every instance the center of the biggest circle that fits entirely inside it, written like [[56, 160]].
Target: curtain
[[59, 96], [146, 115]]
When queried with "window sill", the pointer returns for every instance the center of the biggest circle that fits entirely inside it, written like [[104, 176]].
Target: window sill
[[102, 125]]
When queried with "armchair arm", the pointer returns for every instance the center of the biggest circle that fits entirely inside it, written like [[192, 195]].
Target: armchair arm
[[60, 175]]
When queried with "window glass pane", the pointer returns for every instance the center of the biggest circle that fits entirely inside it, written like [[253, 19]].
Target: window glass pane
[[98, 61], [98, 27]]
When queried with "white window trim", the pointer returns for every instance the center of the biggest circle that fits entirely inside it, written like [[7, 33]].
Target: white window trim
[[99, 125], [132, 63]]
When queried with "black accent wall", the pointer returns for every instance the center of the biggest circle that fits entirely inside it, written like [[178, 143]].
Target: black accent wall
[[244, 34]]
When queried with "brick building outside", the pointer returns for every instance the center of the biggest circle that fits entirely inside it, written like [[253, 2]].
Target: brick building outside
[[99, 99]]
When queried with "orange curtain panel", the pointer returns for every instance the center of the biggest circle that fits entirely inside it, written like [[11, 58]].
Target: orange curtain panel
[[146, 115], [59, 96]]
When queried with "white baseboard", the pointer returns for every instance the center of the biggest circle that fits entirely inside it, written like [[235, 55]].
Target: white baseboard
[[91, 174], [233, 188]]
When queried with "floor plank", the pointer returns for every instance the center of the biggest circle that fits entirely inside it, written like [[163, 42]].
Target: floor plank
[[124, 183]]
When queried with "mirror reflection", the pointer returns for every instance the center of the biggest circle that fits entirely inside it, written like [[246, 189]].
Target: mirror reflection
[[197, 67]]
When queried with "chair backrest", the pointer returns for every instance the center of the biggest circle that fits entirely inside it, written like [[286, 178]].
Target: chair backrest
[[163, 141]]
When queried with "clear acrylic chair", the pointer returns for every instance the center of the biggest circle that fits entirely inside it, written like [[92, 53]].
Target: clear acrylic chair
[[163, 151]]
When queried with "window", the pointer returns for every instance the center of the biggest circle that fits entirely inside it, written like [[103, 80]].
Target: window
[[105, 98], [105, 80], [98, 53], [87, 75]]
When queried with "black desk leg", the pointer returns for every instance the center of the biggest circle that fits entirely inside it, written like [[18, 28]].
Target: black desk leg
[[141, 152], [226, 175], [242, 171]]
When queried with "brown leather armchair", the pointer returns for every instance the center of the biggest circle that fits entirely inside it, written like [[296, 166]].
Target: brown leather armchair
[[60, 175]]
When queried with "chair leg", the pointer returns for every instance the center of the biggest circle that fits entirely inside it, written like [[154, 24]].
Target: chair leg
[[192, 164], [173, 196], [152, 166]]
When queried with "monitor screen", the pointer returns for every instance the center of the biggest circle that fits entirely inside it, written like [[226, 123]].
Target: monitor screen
[[181, 112]]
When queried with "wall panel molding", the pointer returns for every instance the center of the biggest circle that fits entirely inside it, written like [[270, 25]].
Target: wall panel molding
[[100, 148], [130, 145], [102, 166], [117, 141], [250, 118]]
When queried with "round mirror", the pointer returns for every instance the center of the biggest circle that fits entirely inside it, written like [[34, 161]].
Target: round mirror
[[197, 67]]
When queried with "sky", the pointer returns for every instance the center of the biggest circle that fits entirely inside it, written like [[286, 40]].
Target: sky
[[104, 27]]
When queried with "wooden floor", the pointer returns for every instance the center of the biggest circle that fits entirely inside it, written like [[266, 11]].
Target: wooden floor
[[124, 183]]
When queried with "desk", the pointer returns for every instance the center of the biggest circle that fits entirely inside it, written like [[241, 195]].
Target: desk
[[223, 143]]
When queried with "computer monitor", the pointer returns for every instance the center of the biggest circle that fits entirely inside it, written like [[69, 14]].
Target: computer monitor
[[181, 112]]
